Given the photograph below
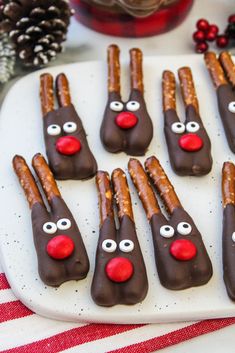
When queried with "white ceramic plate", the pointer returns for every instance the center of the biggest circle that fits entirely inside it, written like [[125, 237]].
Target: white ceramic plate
[[21, 133]]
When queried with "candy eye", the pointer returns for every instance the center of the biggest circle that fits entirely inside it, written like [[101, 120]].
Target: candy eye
[[116, 106], [63, 224], [133, 106], [167, 231], [184, 228], [70, 127], [231, 107], [109, 245], [233, 236], [126, 245], [192, 126], [178, 128], [49, 227], [54, 130]]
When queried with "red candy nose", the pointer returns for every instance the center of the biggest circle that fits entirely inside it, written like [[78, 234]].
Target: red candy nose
[[183, 249], [126, 120], [60, 247], [190, 142], [68, 145], [119, 269]]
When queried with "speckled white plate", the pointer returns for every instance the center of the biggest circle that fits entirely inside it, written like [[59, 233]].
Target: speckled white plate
[[21, 133]]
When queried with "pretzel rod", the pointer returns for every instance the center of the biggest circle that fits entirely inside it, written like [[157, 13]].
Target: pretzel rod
[[228, 66], [26, 180], [46, 93], [215, 69], [45, 176], [113, 69], [136, 58], [168, 91], [145, 192], [105, 195], [228, 183], [162, 183], [122, 194], [62, 91], [187, 88]]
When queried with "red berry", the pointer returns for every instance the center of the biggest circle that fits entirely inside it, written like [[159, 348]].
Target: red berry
[[60, 247], [202, 25], [201, 47], [213, 28], [231, 18], [222, 41], [199, 36], [68, 145], [211, 36], [190, 142], [183, 249], [126, 120], [119, 269]]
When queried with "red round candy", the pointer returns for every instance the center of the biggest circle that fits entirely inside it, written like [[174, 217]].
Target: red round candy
[[211, 36], [213, 28], [231, 18], [183, 249], [126, 120], [201, 47], [202, 25], [190, 142], [199, 36], [222, 41], [119, 269], [68, 145], [60, 247]]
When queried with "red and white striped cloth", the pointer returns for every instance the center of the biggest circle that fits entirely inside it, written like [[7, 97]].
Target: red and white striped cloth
[[22, 331]]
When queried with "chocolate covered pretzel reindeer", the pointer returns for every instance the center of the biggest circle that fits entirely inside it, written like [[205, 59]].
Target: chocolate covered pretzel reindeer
[[126, 126], [188, 144], [60, 250], [120, 275], [181, 258], [228, 241], [67, 148], [222, 71]]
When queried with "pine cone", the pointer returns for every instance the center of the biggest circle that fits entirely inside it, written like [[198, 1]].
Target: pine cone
[[36, 27], [7, 58]]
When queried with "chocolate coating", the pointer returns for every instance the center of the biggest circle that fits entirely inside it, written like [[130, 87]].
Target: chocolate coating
[[183, 162], [225, 95], [81, 165], [133, 141], [104, 291], [55, 272], [175, 274]]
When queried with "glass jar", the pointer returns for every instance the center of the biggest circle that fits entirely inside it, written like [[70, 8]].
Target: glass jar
[[131, 18]]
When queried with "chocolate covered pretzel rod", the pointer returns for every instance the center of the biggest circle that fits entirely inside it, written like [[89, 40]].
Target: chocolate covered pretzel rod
[[62, 91], [215, 69], [168, 90], [113, 69], [120, 275], [180, 255], [228, 66], [187, 88], [46, 93], [136, 58]]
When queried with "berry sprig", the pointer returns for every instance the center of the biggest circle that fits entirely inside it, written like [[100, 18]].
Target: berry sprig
[[207, 32]]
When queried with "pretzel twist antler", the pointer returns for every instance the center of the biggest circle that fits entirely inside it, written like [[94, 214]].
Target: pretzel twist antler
[[187, 88], [62, 90], [46, 93], [228, 66], [105, 195], [122, 194], [168, 90], [45, 176], [136, 58], [228, 183], [113, 69], [143, 187], [27, 181], [162, 183], [215, 69]]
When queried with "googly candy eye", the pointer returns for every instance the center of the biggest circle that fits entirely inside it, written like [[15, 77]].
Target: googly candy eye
[[116, 106], [49, 227], [63, 224], [109, 245], [178, 128], [192, 126], [133, 106], [70, 127], [53, 130], [231, 107], [167, 231], [126, 245], [184, 228]]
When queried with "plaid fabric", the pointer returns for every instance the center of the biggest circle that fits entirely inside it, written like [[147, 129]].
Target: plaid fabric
[[124, 25]]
